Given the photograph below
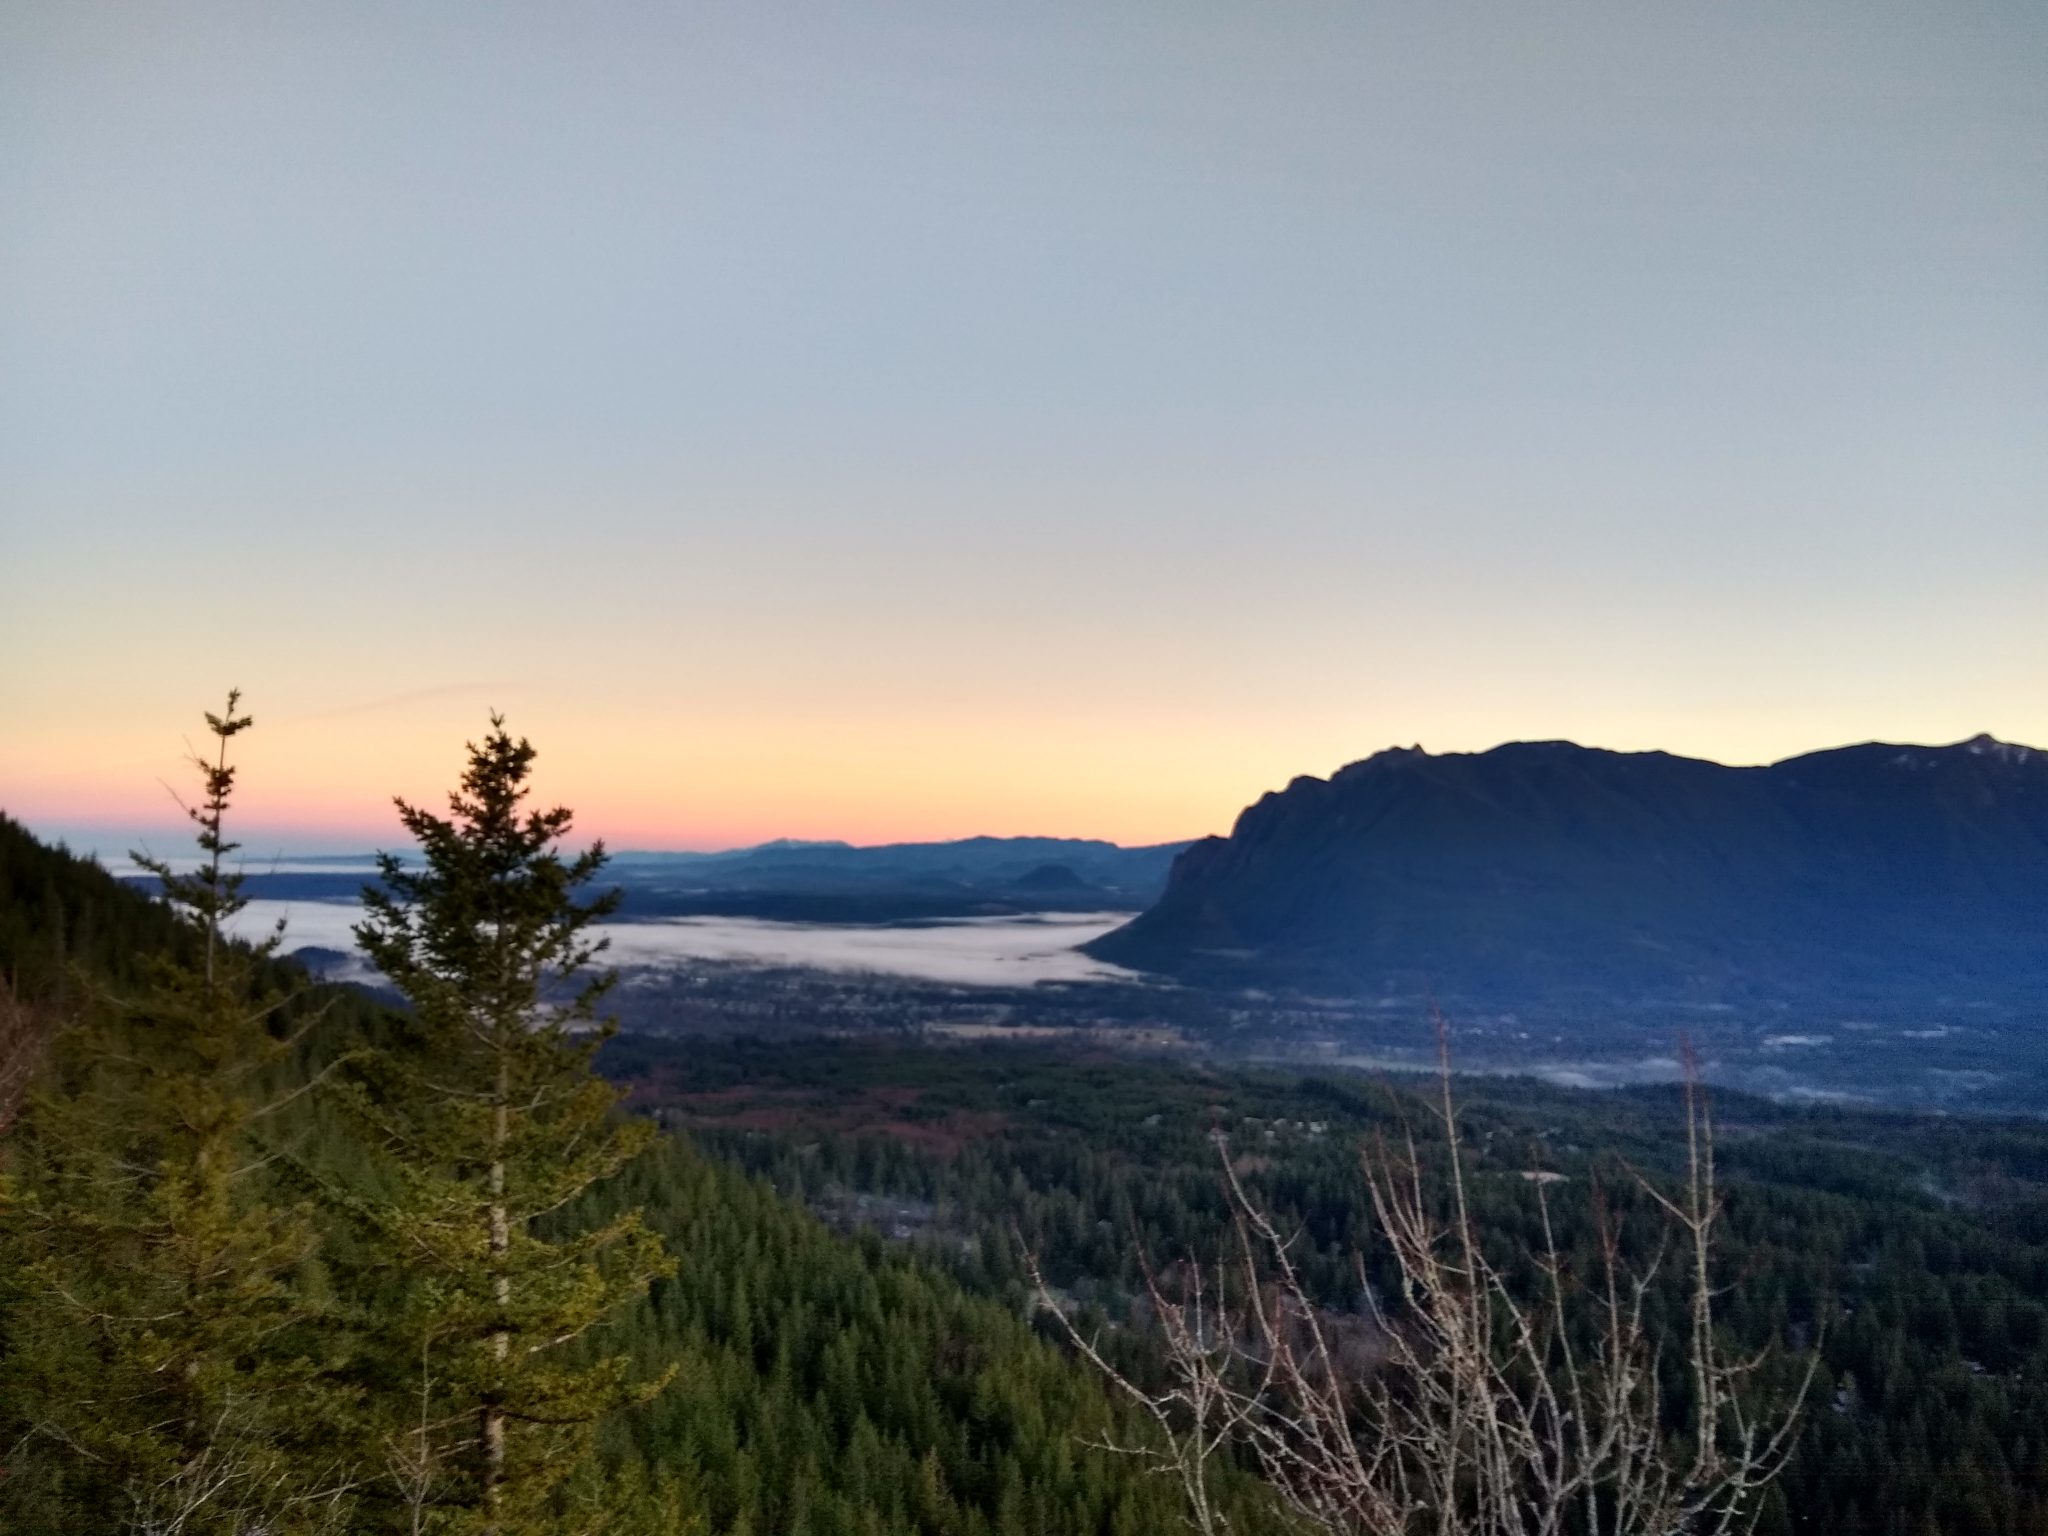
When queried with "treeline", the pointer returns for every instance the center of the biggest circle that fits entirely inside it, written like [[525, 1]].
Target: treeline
[[1912, 1252], [276, 1260], [64, 918]]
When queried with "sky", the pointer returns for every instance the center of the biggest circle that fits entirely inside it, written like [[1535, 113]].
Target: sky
[[917, 420]]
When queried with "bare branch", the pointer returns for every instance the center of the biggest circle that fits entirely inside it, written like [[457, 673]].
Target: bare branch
[[1477, 1408]]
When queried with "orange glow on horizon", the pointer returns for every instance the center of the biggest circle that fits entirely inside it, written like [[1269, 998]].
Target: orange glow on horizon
[[323, 782]]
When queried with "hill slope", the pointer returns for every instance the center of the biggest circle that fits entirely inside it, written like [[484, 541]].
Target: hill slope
[[1544, 873], [824, 1383]]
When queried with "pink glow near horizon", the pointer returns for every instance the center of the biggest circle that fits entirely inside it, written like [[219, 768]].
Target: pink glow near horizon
[[875, 797]]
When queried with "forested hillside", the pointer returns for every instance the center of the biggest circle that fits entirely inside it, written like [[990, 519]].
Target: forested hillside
[[1912, 1251], [814, 1383], [64, 919], [840, 1384]]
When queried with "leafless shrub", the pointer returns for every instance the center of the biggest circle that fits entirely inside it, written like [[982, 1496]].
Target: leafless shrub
[[1479, 1409], [232, 1484]]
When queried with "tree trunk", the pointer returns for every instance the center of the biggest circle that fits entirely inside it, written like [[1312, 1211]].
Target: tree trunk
[[493, 1422]]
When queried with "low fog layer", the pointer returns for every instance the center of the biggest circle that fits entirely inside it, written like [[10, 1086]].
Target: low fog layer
[[993, 951]]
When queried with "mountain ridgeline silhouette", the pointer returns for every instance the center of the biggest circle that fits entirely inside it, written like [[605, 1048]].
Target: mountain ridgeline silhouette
[[836, 882], [1546, 874]]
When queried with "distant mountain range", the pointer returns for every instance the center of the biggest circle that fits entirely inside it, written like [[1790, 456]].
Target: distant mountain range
[[828, 879], [1549, 875], [835, 881]]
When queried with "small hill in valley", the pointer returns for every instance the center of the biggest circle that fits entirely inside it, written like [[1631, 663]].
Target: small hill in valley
[[1052, 879]]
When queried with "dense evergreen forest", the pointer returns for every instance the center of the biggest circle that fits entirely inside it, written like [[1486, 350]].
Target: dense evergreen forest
[[1912, 1251], [257, 1271]]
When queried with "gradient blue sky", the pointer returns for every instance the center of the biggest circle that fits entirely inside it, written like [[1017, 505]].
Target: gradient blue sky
[[914, 420]]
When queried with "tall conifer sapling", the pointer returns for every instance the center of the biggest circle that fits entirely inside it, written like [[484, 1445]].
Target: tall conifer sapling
[[163, 1358], [496, 1121]]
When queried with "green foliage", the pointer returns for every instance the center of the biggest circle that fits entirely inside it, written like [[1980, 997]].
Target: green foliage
[[210, 894], [815, 1384], [161, 1356], [1912, 1251], [63, 917], [832, 1387], [489, 1120]]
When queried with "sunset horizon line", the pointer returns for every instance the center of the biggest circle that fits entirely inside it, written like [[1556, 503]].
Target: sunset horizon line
[[113, 835]]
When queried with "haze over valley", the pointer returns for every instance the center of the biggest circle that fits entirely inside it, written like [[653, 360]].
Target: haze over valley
[[1856, 926]]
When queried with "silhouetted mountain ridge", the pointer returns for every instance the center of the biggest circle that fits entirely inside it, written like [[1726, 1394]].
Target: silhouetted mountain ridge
[[1546, 873], [964, 866]]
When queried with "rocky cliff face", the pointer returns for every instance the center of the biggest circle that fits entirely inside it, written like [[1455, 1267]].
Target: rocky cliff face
[[1544, 872]]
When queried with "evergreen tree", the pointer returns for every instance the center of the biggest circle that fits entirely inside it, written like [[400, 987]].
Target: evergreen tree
[[159, 1357], [494, 1121], [212, 893]]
